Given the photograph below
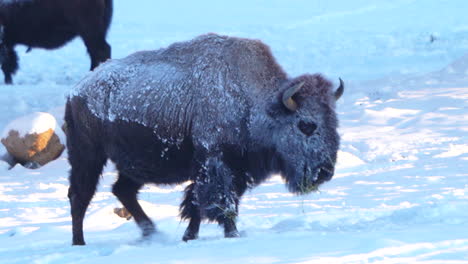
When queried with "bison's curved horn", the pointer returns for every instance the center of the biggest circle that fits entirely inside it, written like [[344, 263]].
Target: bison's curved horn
[[287, 97], [339, 91]]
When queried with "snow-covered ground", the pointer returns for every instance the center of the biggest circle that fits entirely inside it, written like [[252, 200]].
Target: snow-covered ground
[[400, 193]]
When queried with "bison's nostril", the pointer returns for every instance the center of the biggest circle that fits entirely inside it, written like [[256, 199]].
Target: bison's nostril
[[308, 128]]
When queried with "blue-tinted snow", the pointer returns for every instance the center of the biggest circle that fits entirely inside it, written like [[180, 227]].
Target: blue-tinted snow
[[400, 190]]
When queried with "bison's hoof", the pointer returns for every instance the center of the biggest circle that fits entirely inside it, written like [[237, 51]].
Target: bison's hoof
[[148, 229], [189, 236], [232, 234], [78, 243]]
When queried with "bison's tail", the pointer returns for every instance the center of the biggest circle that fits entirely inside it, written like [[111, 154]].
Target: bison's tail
[[67, 119], [108, 10]]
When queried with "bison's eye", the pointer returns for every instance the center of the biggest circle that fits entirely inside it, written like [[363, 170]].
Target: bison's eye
[[307, 128]]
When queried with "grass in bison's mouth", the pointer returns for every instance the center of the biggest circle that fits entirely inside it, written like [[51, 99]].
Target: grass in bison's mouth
[[308, 188], [308, 185]]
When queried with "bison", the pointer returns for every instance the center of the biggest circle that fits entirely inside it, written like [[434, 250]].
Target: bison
[[50, 24], [216, 111]]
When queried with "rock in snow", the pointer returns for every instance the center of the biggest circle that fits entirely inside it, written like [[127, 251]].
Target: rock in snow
[[31, 140]]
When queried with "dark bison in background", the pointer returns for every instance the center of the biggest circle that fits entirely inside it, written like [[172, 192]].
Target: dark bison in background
[[217, 111], [50, 24]]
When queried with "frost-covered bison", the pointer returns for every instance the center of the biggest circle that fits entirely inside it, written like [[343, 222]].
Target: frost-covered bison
[[217, 111], [50, 24]]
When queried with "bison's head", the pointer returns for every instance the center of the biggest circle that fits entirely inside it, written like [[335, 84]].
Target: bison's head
[[302, 130]]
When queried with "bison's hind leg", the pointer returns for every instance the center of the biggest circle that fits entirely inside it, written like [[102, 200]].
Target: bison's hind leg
[[126, 191], [98, 48], [86, 167]]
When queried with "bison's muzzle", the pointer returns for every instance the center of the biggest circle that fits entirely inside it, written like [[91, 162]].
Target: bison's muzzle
[[314, 177]]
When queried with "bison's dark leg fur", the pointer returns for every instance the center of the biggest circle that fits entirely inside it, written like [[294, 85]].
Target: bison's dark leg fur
[[189, 209], [193, 228], [216, 195], [84, 177], [230, 229], [9, 62], [99, 50], [93, 30], [126, 191], [99, 53]]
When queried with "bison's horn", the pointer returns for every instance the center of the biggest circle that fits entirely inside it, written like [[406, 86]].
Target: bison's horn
[[339, 91], [287, 97]]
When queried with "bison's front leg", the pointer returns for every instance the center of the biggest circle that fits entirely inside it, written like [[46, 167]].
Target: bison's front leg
[[189, 209], [215, 196]]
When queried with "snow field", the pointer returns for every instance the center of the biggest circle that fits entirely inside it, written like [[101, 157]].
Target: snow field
[[400, 190]]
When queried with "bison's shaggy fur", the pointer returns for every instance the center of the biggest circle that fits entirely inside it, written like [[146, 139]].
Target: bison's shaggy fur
[[217, 111], [50, 24]]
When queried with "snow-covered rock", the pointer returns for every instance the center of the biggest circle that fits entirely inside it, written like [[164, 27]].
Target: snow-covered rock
[[31, 140]]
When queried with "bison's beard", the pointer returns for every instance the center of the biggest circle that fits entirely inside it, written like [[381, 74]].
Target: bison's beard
[[308, 179]]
